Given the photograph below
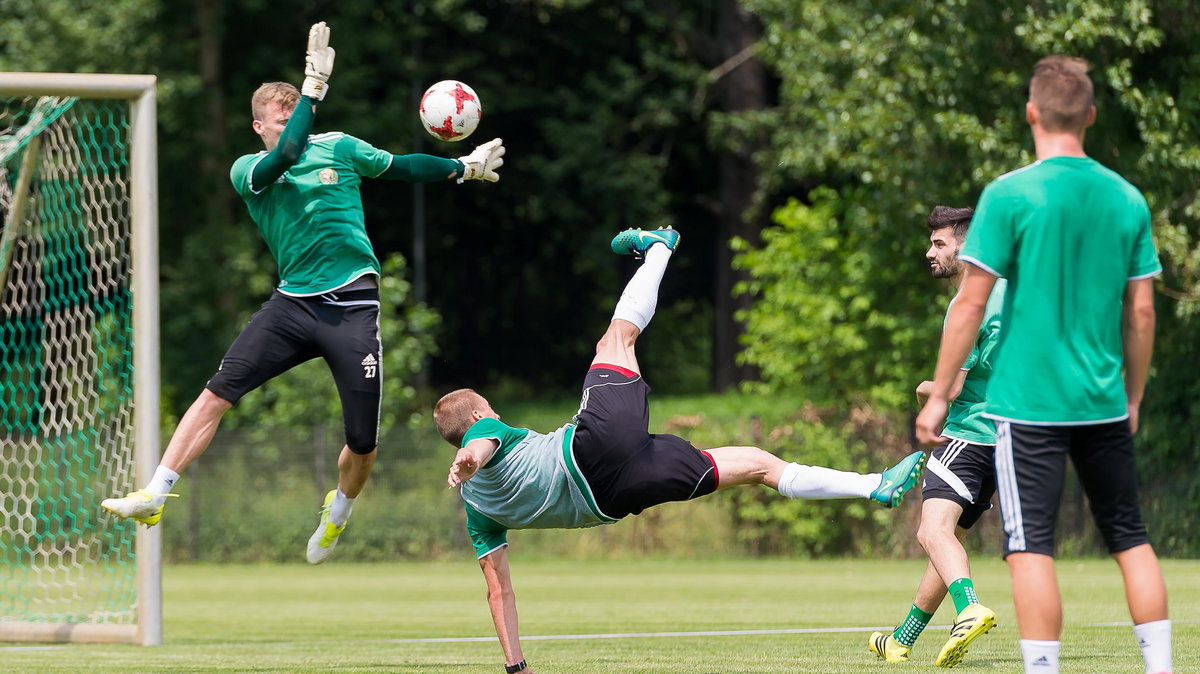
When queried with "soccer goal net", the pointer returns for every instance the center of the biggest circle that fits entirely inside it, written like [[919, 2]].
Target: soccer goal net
[[78, 356]]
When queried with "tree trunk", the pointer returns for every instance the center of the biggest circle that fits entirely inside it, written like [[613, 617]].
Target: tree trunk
[[744, 87], [212, 160]]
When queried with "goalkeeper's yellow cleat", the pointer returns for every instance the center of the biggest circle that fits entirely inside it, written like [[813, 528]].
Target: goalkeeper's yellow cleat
[[973, 622], [886, 647], [140, 506], [323, 540]]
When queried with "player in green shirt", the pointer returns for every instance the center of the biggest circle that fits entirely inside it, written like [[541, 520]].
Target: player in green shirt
[[1073, 239], [303, 193], [960, 477], [605, 465]]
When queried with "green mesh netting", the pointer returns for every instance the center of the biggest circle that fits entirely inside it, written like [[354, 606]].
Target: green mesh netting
[[66, 368]]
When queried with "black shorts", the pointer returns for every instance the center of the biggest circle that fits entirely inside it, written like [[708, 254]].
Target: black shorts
[[965, 473], [628, 468], [342, 328], [1031, 468]]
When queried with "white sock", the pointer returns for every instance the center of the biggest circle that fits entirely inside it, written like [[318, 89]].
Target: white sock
[[1041, 657], [339, 510], [799, 481], [1154, 638], [640, 296], [160, 485]]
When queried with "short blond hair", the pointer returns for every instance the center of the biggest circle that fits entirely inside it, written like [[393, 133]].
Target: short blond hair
[[1062, 92], [286, 95], [452, 414]]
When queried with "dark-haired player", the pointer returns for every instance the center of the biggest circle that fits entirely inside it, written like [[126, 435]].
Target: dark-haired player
[[960, 477]]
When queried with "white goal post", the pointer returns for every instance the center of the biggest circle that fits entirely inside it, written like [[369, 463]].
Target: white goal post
[[79, 356]]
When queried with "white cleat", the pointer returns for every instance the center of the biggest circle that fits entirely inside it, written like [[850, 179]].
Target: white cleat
[[137, 505], [325, 538]]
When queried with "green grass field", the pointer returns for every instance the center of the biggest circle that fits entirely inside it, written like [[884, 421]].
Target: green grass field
[[354, 618]]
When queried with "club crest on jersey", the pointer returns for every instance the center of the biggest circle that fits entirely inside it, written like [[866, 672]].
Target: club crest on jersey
[[370, 365], [328, 176]]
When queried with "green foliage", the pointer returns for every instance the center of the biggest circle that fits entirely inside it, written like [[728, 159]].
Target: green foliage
[[76, 35], [676, 351], [860, 441], [895, 107], [822, 314]]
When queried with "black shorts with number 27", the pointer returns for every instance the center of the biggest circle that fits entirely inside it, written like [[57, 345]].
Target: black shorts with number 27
[[342, 328]]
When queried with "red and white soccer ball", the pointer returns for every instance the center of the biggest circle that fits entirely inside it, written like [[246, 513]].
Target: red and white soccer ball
[[450, 110]]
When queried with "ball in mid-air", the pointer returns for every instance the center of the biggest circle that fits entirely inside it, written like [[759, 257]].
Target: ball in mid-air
[[450, 110]]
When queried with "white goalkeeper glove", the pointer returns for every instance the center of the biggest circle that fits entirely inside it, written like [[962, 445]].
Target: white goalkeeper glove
[[318, 64], [482, 163]]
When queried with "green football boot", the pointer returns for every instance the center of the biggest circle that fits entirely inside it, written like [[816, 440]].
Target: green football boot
[[899, 480], [636, 242]]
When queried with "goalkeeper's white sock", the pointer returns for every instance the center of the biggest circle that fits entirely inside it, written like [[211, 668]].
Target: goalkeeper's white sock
[[799, 481], [1154, 638], [640, 296], [339, 510], [1041, 657], [160, 485]]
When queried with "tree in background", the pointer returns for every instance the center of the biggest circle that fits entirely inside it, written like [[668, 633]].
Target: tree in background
[[859, 118], [895, 107]]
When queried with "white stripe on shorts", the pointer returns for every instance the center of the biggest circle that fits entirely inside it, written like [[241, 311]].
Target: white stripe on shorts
[[1006, 482], [953, 449], [587, 392], [940, 469]]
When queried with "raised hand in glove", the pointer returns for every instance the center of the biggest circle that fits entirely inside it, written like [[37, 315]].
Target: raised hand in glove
[[318, 64], [482, 163]]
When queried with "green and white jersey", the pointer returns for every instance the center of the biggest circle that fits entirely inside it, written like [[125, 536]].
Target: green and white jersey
[[312, 217], [965, 420], [531, 482], [1068, 234]]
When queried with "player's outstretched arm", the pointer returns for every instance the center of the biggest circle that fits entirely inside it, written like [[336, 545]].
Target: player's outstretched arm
[[424, 168], [468, 460], [503, 603], [421, 168]]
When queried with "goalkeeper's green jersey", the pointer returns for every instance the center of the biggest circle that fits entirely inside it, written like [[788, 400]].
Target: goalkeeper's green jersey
[[312, 216], [531, 482]]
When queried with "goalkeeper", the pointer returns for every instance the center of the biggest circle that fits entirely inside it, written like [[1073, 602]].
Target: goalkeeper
[[606, 465], [303, 193]]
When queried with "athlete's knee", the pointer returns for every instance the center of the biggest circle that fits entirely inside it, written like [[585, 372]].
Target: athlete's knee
[[210, 404], [620, 335], [929, 534], [746, 465], [761, 461]]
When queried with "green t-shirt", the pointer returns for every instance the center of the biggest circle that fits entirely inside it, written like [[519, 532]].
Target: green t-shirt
[[312, 217], [531, 482], [1068, 234], [965, 420]]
